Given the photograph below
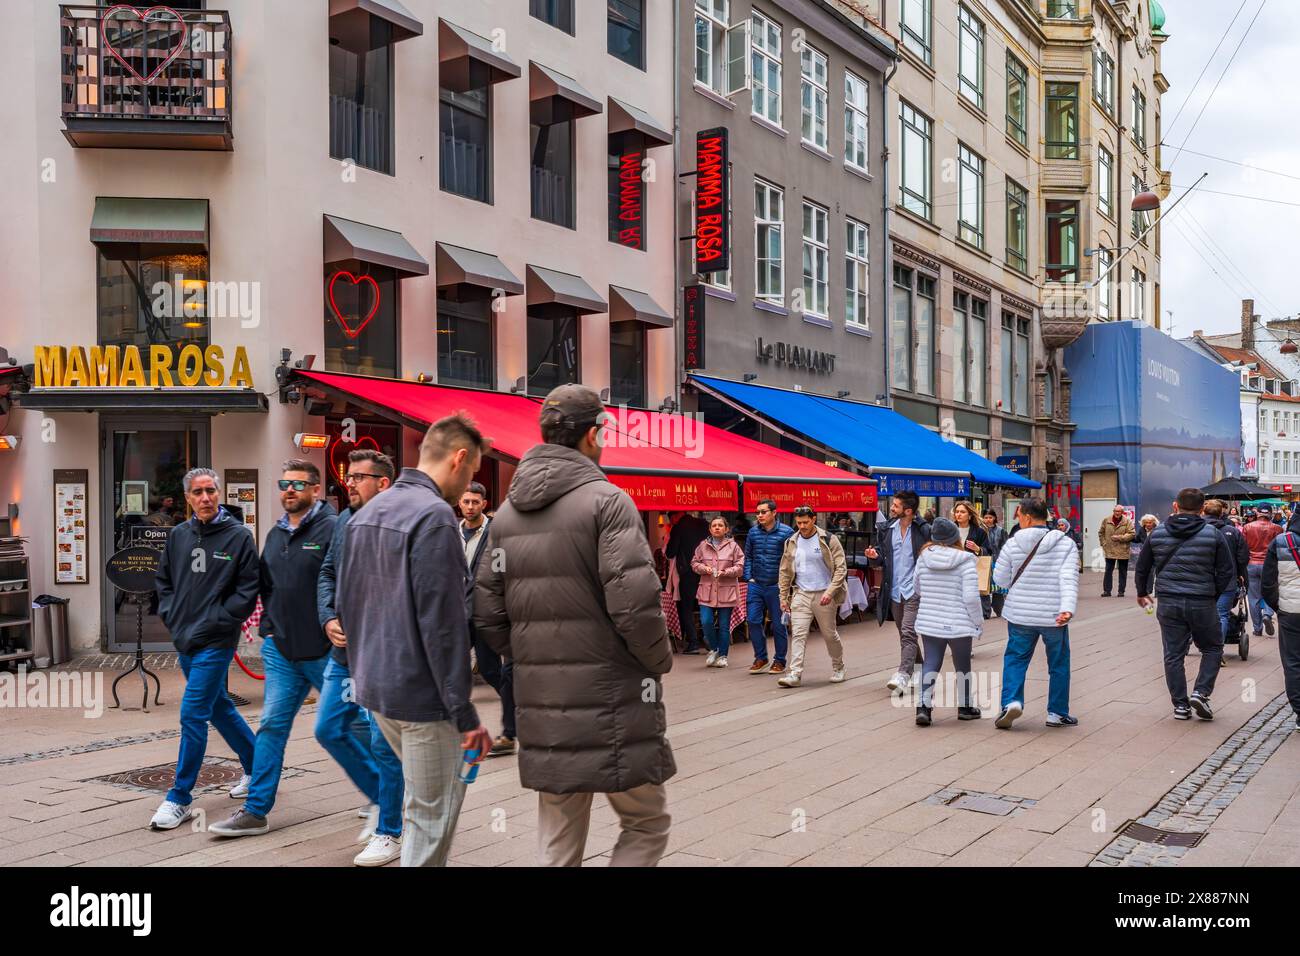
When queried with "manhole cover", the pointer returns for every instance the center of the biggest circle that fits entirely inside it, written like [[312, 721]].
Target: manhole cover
[[215, 772], [994, 805], [1147, 834], [998, 804]]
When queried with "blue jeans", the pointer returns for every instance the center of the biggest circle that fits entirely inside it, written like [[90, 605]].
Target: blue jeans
[[348, 735], [765, 596], [1255, 597], [1021, 641], [1224, 604], [205, 700], [287, 684], [717, 628]]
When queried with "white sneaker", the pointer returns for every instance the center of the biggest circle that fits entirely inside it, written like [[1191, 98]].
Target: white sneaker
[[789, 680], [372, 821], [711, 660], [720, 662], [837, 676], [898, 682], [169, 816], [240, 790], [380, 850]]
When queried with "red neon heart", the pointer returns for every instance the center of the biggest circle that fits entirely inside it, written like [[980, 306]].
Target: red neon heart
[[374, 307], [339, 464], [143, 16]]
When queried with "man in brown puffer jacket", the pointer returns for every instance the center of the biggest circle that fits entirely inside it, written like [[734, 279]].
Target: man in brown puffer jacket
[[568, 590]]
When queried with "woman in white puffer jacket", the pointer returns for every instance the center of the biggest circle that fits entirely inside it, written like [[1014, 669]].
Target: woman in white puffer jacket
[[949, 615]]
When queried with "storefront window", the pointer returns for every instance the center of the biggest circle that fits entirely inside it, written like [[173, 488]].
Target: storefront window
[[159, 300], [552, 348], [465, 126], [552, 171], [361, 100], [465, 352], [361, 312], [627, 363]]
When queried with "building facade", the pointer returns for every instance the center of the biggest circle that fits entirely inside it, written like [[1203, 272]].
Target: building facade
[[477, 195]]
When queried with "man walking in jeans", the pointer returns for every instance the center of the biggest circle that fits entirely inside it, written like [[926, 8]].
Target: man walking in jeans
[[901, 540], [764, 546], [207, 587], [1039, 569], [1191, 564], [1259, 533]]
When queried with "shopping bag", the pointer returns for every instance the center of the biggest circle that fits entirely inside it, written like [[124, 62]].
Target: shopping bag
[[984, 565]]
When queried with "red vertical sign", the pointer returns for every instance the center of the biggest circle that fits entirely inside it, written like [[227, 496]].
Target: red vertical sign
[[712, 202], [631, 201], [693, 300]]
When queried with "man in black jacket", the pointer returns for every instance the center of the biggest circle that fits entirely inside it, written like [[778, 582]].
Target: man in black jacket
[[294, 647], [1192, 565], [345, 730], [898, 543], [207, 587], [685, 536], [497, 671], [402, 603], [1214, 514]]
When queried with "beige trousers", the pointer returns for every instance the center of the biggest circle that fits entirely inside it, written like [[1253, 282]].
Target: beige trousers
[[804, 607], [564, 818]]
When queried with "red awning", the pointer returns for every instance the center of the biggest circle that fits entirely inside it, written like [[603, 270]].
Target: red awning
[[665, 462]]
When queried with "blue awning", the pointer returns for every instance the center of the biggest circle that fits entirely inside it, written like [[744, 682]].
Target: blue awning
[[879, 438]]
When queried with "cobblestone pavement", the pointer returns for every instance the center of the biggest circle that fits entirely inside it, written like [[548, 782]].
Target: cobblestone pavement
[[828, 774]]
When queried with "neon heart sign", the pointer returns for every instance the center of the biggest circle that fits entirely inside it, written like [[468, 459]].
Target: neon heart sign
[[144, 16], [338, 459], [338, 314]]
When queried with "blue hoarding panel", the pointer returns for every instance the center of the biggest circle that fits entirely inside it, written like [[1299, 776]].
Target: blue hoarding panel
[[933, 485]]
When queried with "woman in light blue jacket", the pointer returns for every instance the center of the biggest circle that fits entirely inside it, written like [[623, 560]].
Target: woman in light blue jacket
[[949, 615]]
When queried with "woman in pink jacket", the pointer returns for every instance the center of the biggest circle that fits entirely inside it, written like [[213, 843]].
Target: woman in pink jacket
[[719, 562]]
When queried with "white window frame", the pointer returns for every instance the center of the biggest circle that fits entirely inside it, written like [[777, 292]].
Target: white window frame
[[728, 52], [970, 175], [812, 93], [763, 55], [857, 273], [817, 254], [969, 25], [1139, 220], [1104, 260], [1105, 181], [857, 125], [922, 127], [766, 225], [1137, 289], [1138, 118]]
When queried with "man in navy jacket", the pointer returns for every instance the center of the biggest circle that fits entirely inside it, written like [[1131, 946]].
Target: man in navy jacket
[[764, 546]]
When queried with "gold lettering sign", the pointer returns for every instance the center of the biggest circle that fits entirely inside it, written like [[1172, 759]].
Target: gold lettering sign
[[111, 366]]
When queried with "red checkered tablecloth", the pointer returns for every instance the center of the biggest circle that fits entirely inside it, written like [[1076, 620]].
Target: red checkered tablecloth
[[675, 624]]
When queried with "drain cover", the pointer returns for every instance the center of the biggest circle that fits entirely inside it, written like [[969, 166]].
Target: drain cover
[[998, 804], [1146, 834], [215, 772]]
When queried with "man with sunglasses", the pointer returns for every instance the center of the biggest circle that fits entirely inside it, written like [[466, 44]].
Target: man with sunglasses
[[207, 587], [764, 546], [294, 647], [343, 727]]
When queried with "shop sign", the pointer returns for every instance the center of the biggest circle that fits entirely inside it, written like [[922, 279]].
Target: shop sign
[[712, 202], [829, 497], [693, 318], [630, 200], [133, 569], [929, 485], [677, 492], [796, 356], [123, 366]]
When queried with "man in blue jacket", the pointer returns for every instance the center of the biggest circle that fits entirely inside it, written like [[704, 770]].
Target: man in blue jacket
[[207, 587], [764, 546]]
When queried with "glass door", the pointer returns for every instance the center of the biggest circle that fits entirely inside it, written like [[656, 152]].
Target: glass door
[[142, 467]]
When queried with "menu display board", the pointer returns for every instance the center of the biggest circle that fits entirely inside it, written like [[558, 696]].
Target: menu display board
[[241, 496], [70, 517]]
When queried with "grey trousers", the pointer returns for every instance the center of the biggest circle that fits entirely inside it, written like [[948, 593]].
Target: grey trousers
[[564, 818], [909, 644], [431, 760]]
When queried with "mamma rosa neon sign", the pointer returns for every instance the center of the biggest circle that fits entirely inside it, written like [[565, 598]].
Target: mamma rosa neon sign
[[712, 202]]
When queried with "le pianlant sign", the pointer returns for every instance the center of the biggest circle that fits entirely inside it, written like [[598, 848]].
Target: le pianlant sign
[[123, 366]]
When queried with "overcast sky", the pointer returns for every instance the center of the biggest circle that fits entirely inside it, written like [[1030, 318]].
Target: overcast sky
[[1253, 118]]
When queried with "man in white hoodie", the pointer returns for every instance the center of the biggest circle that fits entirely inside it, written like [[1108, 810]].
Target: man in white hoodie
[[1039, 567]]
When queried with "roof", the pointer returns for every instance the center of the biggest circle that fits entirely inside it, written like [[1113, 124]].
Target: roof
[[1246, 357]]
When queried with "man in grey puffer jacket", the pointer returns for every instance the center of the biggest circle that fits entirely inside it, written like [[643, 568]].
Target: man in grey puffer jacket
[[574, 601]]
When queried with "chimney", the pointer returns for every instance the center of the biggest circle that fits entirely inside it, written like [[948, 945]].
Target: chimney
[[1247, 323], [1198, 333]]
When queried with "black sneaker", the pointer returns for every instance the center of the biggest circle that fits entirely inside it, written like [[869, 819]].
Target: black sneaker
[[691, 650], [1201, 707], [1268, 625], [242, 823], [969, 713], [1062, 720], [1105, 594], [923, 716], [1182, 713]]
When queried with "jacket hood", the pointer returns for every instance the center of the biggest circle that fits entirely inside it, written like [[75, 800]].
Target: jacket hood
[[547, 473], [943, 559], [1184, 526]]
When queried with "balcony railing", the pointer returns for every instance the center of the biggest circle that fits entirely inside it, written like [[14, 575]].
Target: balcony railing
[[161, 82]]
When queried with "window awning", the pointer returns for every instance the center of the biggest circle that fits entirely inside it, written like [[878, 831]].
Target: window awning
[[350, 21], [875, 437], [464, 56], [548, 287], [545, 83], [665, 462], [628, 305], [457, 265], [346, 239], [179, 224], [624, 118]]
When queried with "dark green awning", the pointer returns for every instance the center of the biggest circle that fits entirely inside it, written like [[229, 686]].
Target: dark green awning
[[178, 223]]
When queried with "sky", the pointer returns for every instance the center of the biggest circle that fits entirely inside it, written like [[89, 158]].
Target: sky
[[1217, 250]]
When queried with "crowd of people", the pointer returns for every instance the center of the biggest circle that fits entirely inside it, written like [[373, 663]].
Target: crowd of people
[[557, 602]]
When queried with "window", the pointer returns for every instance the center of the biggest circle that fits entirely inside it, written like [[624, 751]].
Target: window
[[766, 68], [1062, 104], [1138, 220], [1103, 80], [1049, 394], [721, 51], [552, 347], [1022, 366], [465, 131], [1062, 240], [1105, 182], [627, 363], [911, 333], [914, 188], [769, 243], [915, 22], [1063, 9], [978, 338], [626, 31], [855, 121], [1017, 100], [361, 100], [353, 342], [1137, 293], [1138, 121], [627, 189], [558, 13], [900, 330], [970, 57], [137, 298], [816, 260], [1104, 260], [970, 216], [856, 273], [552, 168], [813, 97], [1017, 226], [970, 326], [925, 335], [465, 343]]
